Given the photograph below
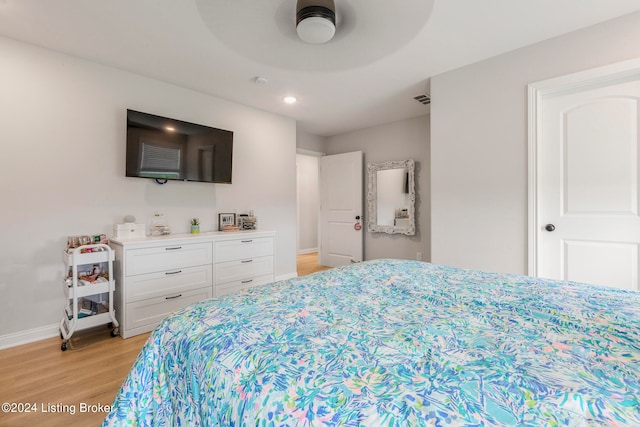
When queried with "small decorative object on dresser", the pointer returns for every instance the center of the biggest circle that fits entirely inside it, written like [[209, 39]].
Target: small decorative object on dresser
[[159, 225], [128, 229], [227, 222], [195, 226], [247, 221]]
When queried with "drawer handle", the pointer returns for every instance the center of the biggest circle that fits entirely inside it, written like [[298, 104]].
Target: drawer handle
[[174, 297], [246, 241], [244, 261], [173, 272], [173, 249], [247, 281]]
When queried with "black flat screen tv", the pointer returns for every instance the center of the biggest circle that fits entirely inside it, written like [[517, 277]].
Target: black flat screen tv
[[163, 148]]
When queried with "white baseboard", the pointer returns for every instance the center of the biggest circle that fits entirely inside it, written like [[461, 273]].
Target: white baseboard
[[307, 251], [37, 334], [31, 335]]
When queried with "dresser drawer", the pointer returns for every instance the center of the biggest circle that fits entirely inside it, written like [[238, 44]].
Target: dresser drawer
[[170, 257], [144, 286], [243, 269], [150, 312], [230, 250], [238, 285]]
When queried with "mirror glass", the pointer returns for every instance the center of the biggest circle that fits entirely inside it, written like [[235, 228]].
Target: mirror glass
[[391, 197]]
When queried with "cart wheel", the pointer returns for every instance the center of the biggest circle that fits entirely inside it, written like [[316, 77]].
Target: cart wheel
[[64, 346], [115, 332]]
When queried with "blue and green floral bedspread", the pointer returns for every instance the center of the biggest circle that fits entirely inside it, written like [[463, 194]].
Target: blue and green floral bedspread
[[393, 343]]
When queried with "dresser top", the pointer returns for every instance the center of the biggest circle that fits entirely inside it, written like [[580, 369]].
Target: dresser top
[[211, 236]]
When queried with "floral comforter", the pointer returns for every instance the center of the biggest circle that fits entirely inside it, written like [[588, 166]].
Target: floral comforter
[[393, 343]]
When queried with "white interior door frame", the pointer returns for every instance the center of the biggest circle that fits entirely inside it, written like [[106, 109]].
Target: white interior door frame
[[536, 92]]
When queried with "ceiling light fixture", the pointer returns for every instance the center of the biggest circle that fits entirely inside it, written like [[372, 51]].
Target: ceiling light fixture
[[316, 20], [290, 99]]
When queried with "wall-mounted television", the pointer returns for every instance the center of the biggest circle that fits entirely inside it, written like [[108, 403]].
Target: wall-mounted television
[[163, 148]]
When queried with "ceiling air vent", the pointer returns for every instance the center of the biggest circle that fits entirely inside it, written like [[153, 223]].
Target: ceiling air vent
[[423, 99]]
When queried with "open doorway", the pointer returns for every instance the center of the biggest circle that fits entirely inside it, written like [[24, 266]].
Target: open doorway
[[308, 208]]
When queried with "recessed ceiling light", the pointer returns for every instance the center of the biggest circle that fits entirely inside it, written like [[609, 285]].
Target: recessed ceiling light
[[290, 99], [169, 128]]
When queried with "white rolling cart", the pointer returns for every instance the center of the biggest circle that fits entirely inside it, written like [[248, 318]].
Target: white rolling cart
[[88, 290]]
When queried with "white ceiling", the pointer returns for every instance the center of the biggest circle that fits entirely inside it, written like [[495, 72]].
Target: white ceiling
[[381, 57]]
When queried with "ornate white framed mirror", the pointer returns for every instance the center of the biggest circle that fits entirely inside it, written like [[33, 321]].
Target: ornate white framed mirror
[[391, 197]]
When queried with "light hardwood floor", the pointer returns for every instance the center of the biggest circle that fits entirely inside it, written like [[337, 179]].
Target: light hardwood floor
[[54, 383], [47, 379], [308, 263]]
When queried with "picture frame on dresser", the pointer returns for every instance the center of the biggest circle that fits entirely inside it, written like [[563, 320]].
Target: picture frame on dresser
[[226, 219]]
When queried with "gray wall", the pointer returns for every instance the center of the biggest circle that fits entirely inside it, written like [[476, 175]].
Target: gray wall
[[479, 143], [62, 160], [307, 141], [401, 140], [308, 202]]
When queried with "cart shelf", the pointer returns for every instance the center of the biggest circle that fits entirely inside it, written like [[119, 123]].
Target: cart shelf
[[83, 258], [90, 289]]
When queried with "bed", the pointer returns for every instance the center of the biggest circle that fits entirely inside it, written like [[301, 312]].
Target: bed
[[393, 343]]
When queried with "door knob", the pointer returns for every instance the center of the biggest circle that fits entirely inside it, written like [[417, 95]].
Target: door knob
[[549, 227]]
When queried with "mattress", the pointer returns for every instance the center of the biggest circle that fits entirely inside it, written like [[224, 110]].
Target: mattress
[[393, 343]]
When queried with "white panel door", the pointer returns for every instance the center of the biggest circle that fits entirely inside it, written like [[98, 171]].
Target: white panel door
[[341, 209], [588, 224]]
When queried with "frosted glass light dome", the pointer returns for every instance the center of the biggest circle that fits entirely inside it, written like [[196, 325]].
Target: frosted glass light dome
[[315, 20]]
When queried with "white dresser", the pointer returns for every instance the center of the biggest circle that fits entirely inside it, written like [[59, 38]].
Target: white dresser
[[156, 276], [242, 263]]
